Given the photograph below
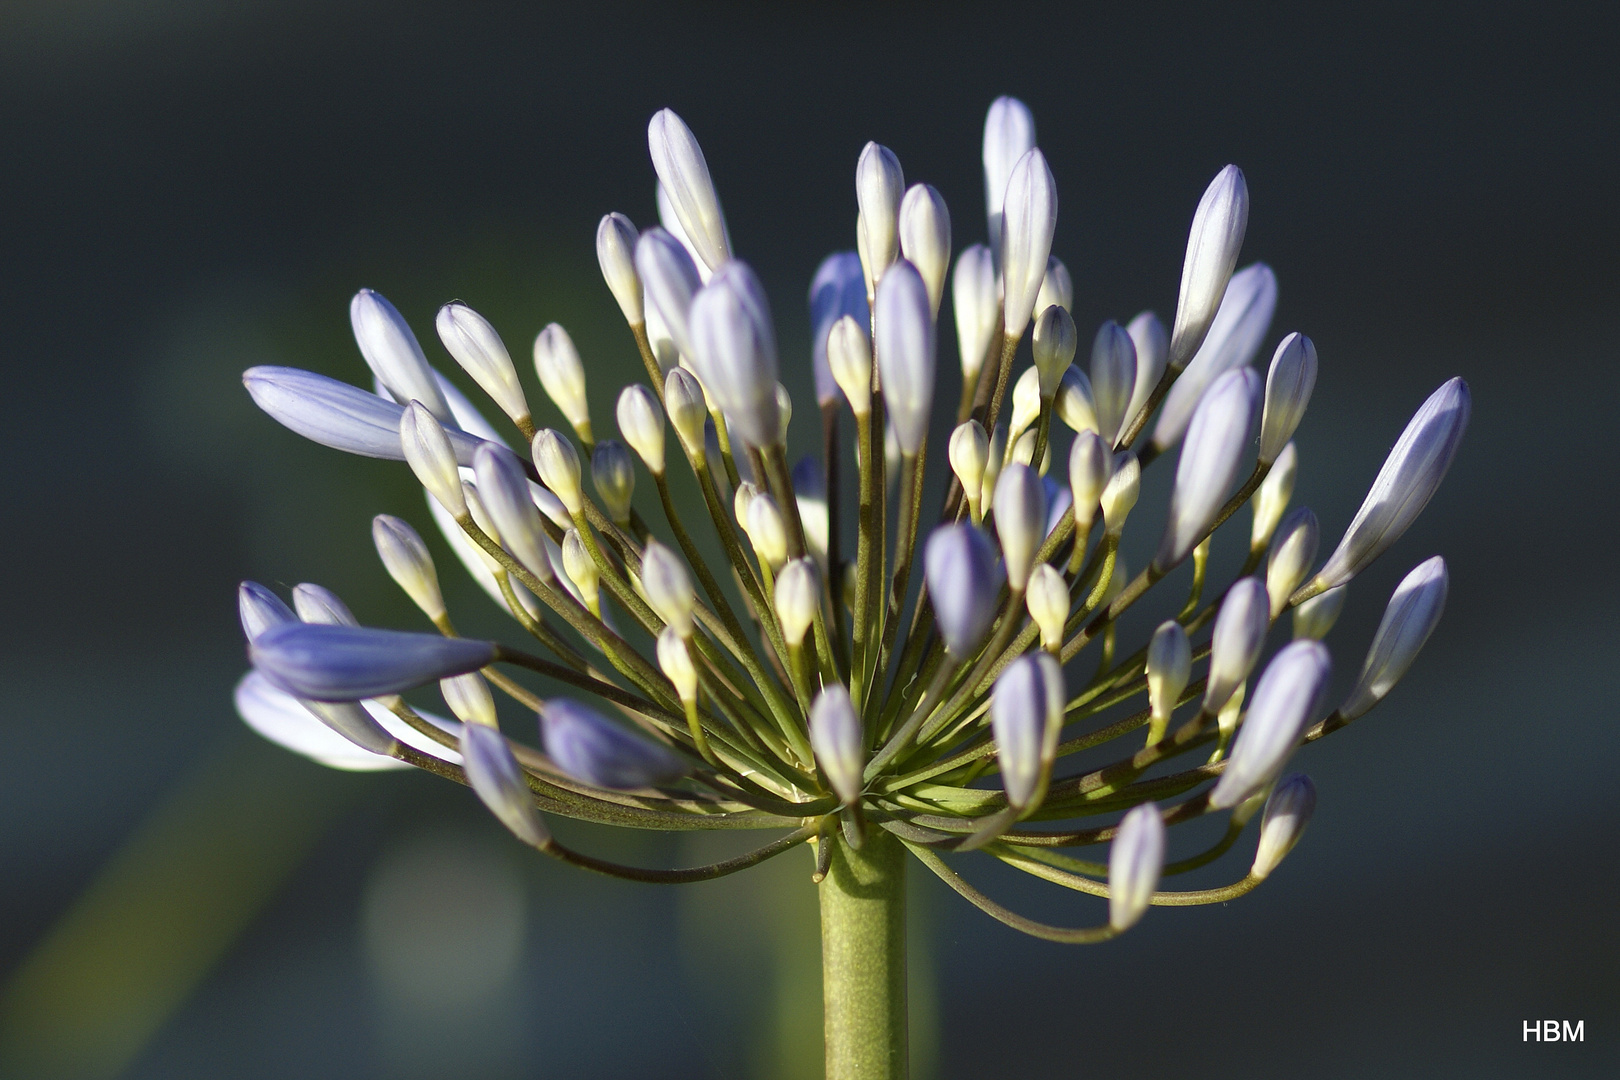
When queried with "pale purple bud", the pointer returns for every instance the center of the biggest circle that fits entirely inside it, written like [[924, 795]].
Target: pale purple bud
[[336, 414], [1053, 345], [1210, 462], [1288, 811], [1233, 341], [1288, 390], [346, 663], [589, 747], [616, 254], [964, 581], [835, 736], [351, 720], [1009, 134], [668, 586], [316, 604], [1285, 700], [469, 699], [684, 175], [735, 352], [1057, 287], [641, 422], [925, 239], [475, 345], [671, 280], [497, 779], [1135, 861], [837, 290], [1026, 717], [1236, 642], [905, 353], [1030, 217], [973, 296], [1212, 251], [1152, 357], [1293, 551], [1074, 404], [260, 609], [1113, 378], [1316, 616], [1020, 507], [392, 353], [562, 376], [879, 186], [432, 458], [504, 492], [407, 561], [283, 720], [1410, 618]]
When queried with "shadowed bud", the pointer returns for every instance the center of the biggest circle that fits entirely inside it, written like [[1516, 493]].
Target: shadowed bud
[[1169, 667], [616, 253], [668, 586], [766, 530], [1211, 460], [1026, 404], [407, 561], [1212, 251], [1009, 134], [1113, 378], [849, 356], [1023, 452], [1236, 642], [1272, 499], [968, 451], [1288, 390], [1020, 507], [614, 477], [1152, 357], [1135, 861], [992, 467], [469, 698], [481, 518], [1288, 811], [336, 414], [351, 720], [1047, 597], [1029, 219], [1409, 478], [504, 492], [675, 661], [641, 422], [798, 592], [1074, 404], [288, 723], [879, 187], [1120, 493], [1285, 700], [557, 462], [1057, 287], [1316, 616], [1232, 342], [835, 736], [316, 604], [905, 353], [1053, 343], [1090, 465], [495, 776], [925, 239], [562, 375], [260, 609], [784, 413], [974, 299], [1293, 551], [589, 747], [671, 280], [431, 457], [964, 580], [1026, 717], [735, 352], [347, 663], [684, 175], [838, 290], [1413, 612], [582, 570], [392, 353], [475, 345], [683, 397]]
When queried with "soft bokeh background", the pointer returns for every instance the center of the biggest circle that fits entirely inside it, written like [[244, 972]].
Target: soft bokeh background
[[189, 188]]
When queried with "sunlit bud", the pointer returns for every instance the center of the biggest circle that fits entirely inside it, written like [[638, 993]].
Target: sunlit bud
[[925, 239], [1020, 506], [905, 353], [260, 609], [1410, 476], [558, 465], [1120, 493], [1056, 287], [582, 569], [1212, 251], [992, 467], [347, 663], [1293, 551], [1210, 462], [469, 698], [835, 736], [641, 422], [849, 355], [1073, 404], [879, 186], [1023, 452], [968, 450], [316, 604], [1026, 402], [766, 530], [974, 299], [798, 592], [863, 251], [1272, 499], [675, 661], [1235, 643], [1285, 700], [1026, 717], [1030, 216], [1316, 616], [1009, 134], [784, 413], [1408, 621], [336, 414], [810, 495], [1090, 465], [1288, 390], [1135, 861], [1169, 667], [670, 222], [1053, 343], [1152, 356], [497, 779], [588, 746], [1047, 597], [735, 352], [616, 253], [741, 500], [964, 582], [1113, 378], [1227, 721], [668, 586], [475, 345], [407, 561], [392, 353], [1233, 341], [1288, 811], [838, 290], [683, 397], [504, 492], [562, 375], [431, 458], [684, 174], [671, 280], [614, 476]]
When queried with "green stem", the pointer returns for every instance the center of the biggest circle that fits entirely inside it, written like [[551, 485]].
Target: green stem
[[863, 959]]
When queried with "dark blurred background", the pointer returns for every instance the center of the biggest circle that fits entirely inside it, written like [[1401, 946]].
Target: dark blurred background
[[189, 188]]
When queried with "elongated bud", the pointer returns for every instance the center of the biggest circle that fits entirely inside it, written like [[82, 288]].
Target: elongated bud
[[336, 414], [879, 186], [469, 698], [974, 299], [614, 476], [1026, 403], [1090, 465], [1113, 378], [837, 291], [1020, 506], [668, 587], [1054, 344], [735, 352], [1135, 861], [905, 353], [1023, 452], [675, 661], [347, 663], [407, 561], [671, 280], [1288, 390], [925, 239], [1232, 342], [784, 413], [641, 422], [1285, 700], [1413, 612], [562, 375], [969, 450], [260, 609], [1047, 597], [964, 580], [1029, 219], [1074, 404], [798, 593], [588, 746], [1120, 493], [992, 466], [670, 222], [741, 500], [316, 604], [431, 458], [766, 530], [1271, 501], [1009, 134], [1316, 616], [497, 779], [1210, 463], [285, 721], [684, 174], [1236, 642], [1293, 551], [1212, 250], [683, 397], [1288, 811], [1026, 717], [504, 492], [1409, 478], [558, 465], [616, 253], [835, 736], [582, 570], [392, 353], [475, 345], [351, 720], [849, 355], [1057, 287], [1169, 667], [1152, 356]]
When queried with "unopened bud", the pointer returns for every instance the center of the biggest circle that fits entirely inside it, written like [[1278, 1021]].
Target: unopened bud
[[1316, 616], [964, 580], [260, 609], [614, 476], [588, 746], [407, 561], [642, 425], [1135, 861], [1289, 383], [1074, 404], [469, 698], [1212, 250], [925, 238], [1169, 667], [616, 253], [504, 492], [476, 346], [391, 351], [879, 186], [1026, 717], [969, 450], [1211, 459], [992, 466], [1020, 508], [1113, 378], [974, 299], [1271, 501], [1288, 811], [431, 457], [849, 355], [683, 397], [1029, 217], [1026, 403], [684, 176], [1009, 133], [582, 570], [562, 376], [1152, 355], [734, 349], [905, 353], [1233, 340], [1285, 700], [316, 604], [1410, 618], [675, 661], [558, 465], [1120, 493], [1292, 553], [1054, 343], [498, 780], [1057, 287], [1047, 597], [766, 530], [798, 593], [668, 587], [671, 280], [1090, 466], [1236, 642], [835, 736]]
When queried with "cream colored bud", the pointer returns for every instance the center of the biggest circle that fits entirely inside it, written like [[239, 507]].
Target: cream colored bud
[[969, 451], [432, 458], [616, 253], [1074, 404], [562, 375], [1271, 501], [1169, 667], [925, 238], [993, 463], [675, 661], [407, 561], [683, 397], [469, 698], [741, 500], [1057, 287], [798, 592], [1023, 452], [582, 570], [766, 530], [558, 465], [1316, 616], [1026, 403], [1090, 465], [641, 423], [614, 476], [784, 413], [668, 587], [1054, 343], [849, 355], [1120, 493], [1293, 552], [1047, 597], [476, 346]]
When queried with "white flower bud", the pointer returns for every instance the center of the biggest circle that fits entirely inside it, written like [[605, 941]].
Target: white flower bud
[[810, 495], [1293, 550], [735, 352], [835, 736], [1120, 493], [496, 777], [1054, 342], [1026, 403], [671, 280], [1090, 465], [1288, 811], [407, 561], [1020, 507], [837, 290], [582, 569], [1047, 597], [905, 353], [1026, 717], [1210, 462], [1212, 250], [1272, 499], [393, 355], [475, 345], [683, 397], [993, 462], [675, 661], [1009, 134], [741, 500], [1074, 404], [668, 586], [616, 253], [670, 222], [766, 530], [1152, 356], [1410, 618], [969, 450], [469, 698], [684, 175], [1286, 699], [1023, 452], [1288, 390], [1316, 616], [558, 465], [1169, 667], [486, 524], [784, 413], [1057, 287], [660, 341], [1236, 642], [562, 376], [1232, 342], [879, 186], [974, 299], [798, 593], [315, 604], [925, 239], [614, 476], [504, 492], [431, 457], [849, 355], [1113, 378], [642, 425], [1135, 861], [1029, 219]]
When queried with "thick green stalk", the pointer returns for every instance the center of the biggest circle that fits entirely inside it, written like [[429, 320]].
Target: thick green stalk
[[863, 959]]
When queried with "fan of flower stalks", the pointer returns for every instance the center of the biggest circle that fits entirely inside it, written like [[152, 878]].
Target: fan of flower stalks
[[915, 690]]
